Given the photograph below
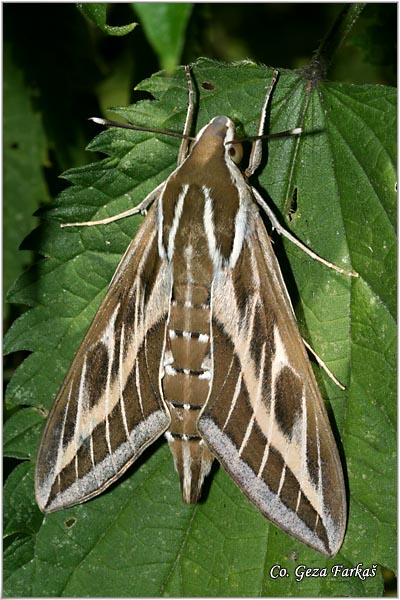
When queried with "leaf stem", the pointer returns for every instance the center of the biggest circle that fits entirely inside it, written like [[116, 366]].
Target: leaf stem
[[336, 36]]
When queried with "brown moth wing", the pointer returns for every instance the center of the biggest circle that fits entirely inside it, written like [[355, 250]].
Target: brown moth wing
[[285, 458], [110, 406]]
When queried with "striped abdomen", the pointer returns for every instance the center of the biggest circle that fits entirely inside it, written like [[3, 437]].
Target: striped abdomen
[[186, 387], [187, 360]]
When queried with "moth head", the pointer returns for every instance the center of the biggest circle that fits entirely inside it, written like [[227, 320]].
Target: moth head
[[217, 139]]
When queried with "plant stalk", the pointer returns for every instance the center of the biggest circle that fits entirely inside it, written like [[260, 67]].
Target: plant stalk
[[338, 33]]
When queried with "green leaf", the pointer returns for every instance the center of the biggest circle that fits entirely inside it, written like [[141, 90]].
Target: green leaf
[[19, 566], [24, 148], [97, 12], [20, 433], [334, 186], [21, 514], [165, 24]]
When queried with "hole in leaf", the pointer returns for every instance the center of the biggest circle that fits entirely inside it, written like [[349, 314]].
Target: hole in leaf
[[207, 85], [69, 523], [139, 95], [293, 205]]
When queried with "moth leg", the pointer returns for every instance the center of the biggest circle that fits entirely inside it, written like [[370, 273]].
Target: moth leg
[[184, 149], [282, 231], [140, 208], [256, 148], [324, 366]]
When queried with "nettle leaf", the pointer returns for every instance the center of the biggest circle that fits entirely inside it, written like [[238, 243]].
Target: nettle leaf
[[25, 148], [334, 187], [97, 12], [165, 24]]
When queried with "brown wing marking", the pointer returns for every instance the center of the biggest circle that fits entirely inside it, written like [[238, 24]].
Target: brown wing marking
[[110, 406], [265, 419]]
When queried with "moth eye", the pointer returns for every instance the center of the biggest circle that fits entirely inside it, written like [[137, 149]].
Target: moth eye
[[236, 152]]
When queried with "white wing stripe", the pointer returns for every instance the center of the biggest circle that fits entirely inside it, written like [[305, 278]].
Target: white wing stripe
[[175, 222], [209, 228], [257, 404], [120, 371], [234, 399]]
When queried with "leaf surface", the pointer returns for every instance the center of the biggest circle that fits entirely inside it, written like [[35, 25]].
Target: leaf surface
[[24, 156], [334, 188], [165, 25], [97, 12]]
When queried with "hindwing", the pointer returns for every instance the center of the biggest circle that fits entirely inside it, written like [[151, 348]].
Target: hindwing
[[110, 406], [265, 419]]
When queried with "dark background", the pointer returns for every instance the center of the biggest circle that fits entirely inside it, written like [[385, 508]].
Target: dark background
[[71, 68]]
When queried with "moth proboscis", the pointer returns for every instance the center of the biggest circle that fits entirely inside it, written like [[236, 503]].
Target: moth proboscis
[[196, 339]]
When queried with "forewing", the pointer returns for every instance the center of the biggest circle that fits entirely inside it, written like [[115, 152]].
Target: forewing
[[265, 419], [110, 407]]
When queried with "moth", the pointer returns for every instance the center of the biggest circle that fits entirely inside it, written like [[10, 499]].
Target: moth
[[196, 339]]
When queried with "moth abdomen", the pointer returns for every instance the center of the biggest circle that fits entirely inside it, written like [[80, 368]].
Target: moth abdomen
[[193, 461], [186, 386]]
